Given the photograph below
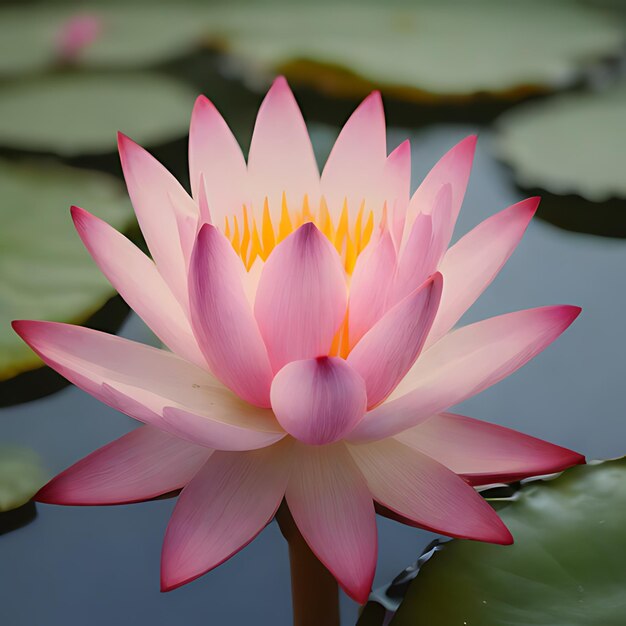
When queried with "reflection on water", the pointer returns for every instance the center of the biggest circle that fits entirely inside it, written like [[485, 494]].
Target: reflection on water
[[100, 566]]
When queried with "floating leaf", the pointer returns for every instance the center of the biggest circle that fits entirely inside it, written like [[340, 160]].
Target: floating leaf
[[128, 36], [573, 144], [566, 566], [77, 113], [45, 273], [21, 476], [432, 49]]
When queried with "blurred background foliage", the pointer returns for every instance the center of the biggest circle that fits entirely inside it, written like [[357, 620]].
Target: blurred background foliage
[[72, 74], [547, 79]]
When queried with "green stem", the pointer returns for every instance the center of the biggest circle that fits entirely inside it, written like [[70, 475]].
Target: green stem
[[314, 591]]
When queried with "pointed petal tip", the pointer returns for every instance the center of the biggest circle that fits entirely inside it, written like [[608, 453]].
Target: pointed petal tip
[[46, 494], [202, 102], [81, 218], [437, 279], [401, 156], [25, 328], [307, 231], [125, 145], [528, 206], [503, 537], [279, 89], [470, 141], [373, 102], [466, 148], [568, 312], [280, 82], [361, 593], [169, 584], [123, 140]]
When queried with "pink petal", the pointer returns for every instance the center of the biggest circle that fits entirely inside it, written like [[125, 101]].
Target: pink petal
[[215, 156], [223, 321], [281, 158], [424, 247], [388, 350], [375, 266], [141, 381], [454, 168], [318, 401], [464, 363], [159, 202], [475, 260], [414, 486], [138, 281], [333, 509], [221, 510], [485, 453], [356, 165], [301, 297], [143, 464], [398, 182], [224, 422]]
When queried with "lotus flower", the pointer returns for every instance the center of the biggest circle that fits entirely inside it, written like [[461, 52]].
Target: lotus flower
[[310, 352]]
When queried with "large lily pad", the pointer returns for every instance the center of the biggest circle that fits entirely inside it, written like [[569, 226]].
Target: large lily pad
[[127, 36], [77, 113], [45, 273], [573, 144], [566, 567], [432, 49], [21, 476]]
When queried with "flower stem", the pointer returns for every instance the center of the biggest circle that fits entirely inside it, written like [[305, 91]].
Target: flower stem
[[314, 591]]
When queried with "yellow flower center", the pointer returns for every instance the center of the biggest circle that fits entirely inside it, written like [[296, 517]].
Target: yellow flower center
[[349, 237], [251, 240]]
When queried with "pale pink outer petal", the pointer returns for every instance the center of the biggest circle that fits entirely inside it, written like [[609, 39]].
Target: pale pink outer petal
[[376, 265], [215, 156], [142, 464], [475, 260], [454, 168], [318, 401], [424, 247], [485, 453], [388, 350], [398, 183], [141, 381], [222, 421], [356, 165], [281, 158], [222, 319], [333, 509], [221, 510], [159, 202], [301, 298], [138, 281], [418, 488], [464, 363]]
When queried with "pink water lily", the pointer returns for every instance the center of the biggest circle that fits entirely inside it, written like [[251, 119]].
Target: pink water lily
[[310, 353]]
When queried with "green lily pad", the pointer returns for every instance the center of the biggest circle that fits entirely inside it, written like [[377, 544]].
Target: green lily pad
[[21, 476], [427, 50], [566, 567], [45, 273], [76, 113], [573, 144], [127, 36]]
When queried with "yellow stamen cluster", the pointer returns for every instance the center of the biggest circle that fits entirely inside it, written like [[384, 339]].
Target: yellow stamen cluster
[[254, 239], [251, 239]]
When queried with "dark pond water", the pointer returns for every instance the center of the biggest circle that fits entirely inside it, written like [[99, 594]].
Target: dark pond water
[[100, 566]]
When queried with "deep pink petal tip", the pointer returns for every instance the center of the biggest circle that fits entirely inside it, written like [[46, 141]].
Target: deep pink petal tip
[[280, 82]]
